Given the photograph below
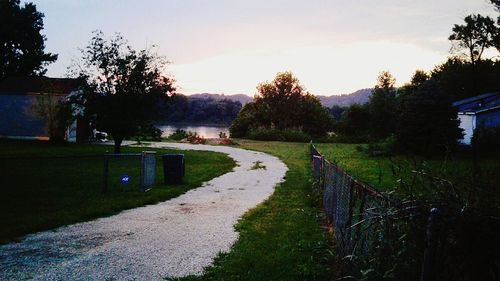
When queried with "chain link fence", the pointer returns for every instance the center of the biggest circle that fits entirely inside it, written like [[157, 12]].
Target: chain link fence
[[350, 206], [362, 217]]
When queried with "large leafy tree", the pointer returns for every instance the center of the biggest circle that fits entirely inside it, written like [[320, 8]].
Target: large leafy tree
[[283, 104], [21, 44], [428, 121], [475, 36], [458, 79], [123, 87], [383, 107]]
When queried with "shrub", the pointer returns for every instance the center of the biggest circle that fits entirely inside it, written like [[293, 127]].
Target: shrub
[[178, 135], [194, 138], [486, 138], [278, 135]]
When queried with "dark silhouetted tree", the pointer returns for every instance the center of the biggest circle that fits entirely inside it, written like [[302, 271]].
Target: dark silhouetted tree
[[21, 44], [476, 35], [428, 121], [337, 111], [283, 104], [355, 122], [123, 87], [383, 107], [458, 79]]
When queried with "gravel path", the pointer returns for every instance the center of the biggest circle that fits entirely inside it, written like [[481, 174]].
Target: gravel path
[[174, 238]]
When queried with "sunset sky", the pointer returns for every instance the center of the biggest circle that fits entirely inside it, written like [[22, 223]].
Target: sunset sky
[[230, 46]]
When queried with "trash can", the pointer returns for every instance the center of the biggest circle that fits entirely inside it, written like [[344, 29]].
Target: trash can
[[173, 168]]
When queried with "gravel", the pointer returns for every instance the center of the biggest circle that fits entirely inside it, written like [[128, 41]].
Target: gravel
[[174, 238]]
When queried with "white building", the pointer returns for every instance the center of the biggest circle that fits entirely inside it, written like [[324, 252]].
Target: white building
[[482, 110]]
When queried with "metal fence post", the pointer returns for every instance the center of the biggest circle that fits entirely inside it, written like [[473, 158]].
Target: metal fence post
[[430, 246]]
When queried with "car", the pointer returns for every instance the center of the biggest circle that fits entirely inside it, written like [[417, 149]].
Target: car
[[101, 136]]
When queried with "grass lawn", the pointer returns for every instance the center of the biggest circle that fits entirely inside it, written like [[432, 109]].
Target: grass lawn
[[38, 193], [378, 171], [282, 238]]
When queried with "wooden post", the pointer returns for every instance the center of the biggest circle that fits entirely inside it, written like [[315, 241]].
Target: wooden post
[[430, 246]]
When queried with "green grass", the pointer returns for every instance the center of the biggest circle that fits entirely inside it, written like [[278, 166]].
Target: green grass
[[43, 193], [378, 170], [282, 238]]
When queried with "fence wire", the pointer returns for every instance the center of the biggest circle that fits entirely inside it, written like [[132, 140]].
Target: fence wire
[[350, 206]]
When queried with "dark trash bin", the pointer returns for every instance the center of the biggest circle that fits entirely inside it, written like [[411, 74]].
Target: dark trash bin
[[173, 168]]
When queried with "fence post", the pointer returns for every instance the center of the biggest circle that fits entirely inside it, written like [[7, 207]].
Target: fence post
[[106, 172], [430, 246]]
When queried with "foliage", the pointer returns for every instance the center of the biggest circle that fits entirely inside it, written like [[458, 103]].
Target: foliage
[[148, 133], [245, 120], [337, 111], [383, 107], [123, 86], [194, 138], [476, 35], [57, 112], [466, 225], [21, 44], [428, 121], [355, 122], [278, 135], [60, 184], [486, 139], [458, 79], [178, 135], [283, 104], [181, 108]]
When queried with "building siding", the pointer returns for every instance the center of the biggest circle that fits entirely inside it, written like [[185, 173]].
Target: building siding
[[18, 120]]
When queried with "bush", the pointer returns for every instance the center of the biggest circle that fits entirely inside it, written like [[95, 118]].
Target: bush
[[278, 135], [194, 138], [178, 135], [486, 138], [148, 133], [385, 148]]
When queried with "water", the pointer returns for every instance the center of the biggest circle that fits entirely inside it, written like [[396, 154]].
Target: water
[[204, 131]]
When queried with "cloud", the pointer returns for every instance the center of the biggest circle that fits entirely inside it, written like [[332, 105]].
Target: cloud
[[324, 70]]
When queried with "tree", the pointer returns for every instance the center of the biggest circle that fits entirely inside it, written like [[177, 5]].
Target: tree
[[355, 122], [383, 107], [123, 87], [21, 44], [336, 111], [283, 104], [476, 35], [428, 121], [458, 79]]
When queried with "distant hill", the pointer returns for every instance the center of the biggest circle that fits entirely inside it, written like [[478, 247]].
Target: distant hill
[[360, 96], [243, 99]]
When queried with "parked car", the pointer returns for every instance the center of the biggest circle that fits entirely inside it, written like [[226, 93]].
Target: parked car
[[100, 136]]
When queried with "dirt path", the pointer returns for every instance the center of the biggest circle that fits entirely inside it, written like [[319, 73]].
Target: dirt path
[[174, 238]]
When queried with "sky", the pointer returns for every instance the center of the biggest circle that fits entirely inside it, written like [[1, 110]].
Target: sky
[[230, 46]]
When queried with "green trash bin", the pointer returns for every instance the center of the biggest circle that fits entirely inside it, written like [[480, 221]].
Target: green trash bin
[[174, 168]]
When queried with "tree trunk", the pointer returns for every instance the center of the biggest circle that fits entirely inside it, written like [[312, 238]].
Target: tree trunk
[[118, 144]]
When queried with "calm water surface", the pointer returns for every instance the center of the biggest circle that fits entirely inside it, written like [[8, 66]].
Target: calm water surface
[[204, 131]]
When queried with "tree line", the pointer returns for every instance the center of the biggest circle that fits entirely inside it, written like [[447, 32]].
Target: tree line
[[124, 91], [184, 109]]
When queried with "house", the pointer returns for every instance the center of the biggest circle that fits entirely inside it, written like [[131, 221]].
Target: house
[[474, 112], [27, 108]]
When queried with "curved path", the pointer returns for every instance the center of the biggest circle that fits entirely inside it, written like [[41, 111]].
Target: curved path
[[174, 238]]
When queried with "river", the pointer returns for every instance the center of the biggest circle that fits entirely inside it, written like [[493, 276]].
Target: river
[[204, 131]]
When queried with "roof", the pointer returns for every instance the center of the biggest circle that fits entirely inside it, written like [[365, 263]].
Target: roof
[[479, 103], [37, 84]]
